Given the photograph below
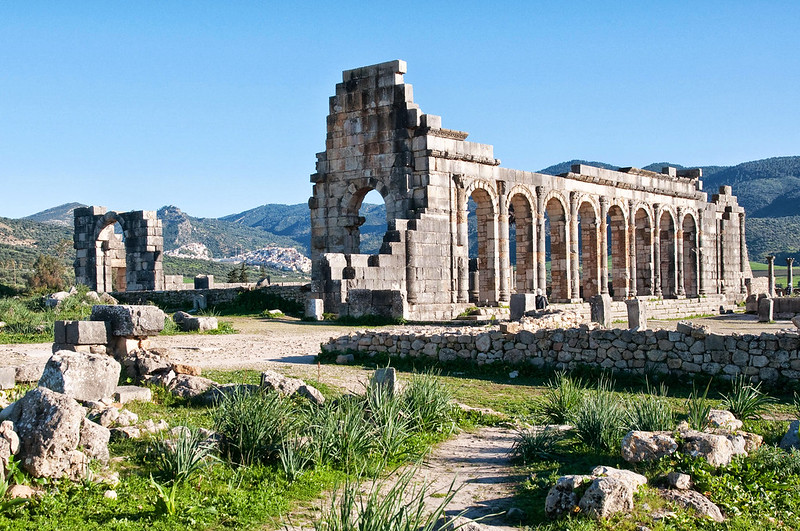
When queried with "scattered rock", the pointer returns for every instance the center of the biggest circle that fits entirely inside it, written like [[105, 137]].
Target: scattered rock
[[94, 440], [679, 481], [20, 491], [110, 494], [152, 427], [720, 418], [344, 359], [106, 417], [564, 495], [49, 428], [513, 374], [516, 514], [129, 393], [607, 496], [141, 364], [716, 449], [126, 432], [272, 380], [8, 377], [30, 372], [638, 446], [191, 370], [691, 499], [81, 375], [191, 323], [186, 386], [127, 418], [632, 479]]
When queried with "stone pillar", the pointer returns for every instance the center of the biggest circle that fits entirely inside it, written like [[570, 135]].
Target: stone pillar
[[657, 251], [503, 246], [603, 246], [411, 273], [601, 310], [574, 279], [541, 276], [771, 275], [766, 306], [463, 242], [701, 268], [742, 244], [637, 314], [789, 275], [632, 249], [680, 290]]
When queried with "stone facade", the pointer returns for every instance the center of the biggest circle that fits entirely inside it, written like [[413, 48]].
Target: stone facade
[[662, 234], [108, 261]]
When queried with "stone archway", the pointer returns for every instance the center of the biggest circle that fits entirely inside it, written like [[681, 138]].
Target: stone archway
[[484, 267], [111, 256], [668, 255], [618, 249], [589, 237], [644, 253], [690, 256], [521, 216], [559, 253]]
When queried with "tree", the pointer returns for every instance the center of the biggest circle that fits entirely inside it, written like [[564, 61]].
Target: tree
[[48, 274], [238, 274], [243, 277]]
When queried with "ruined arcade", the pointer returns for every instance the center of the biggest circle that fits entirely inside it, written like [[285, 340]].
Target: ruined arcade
[[627, 233]]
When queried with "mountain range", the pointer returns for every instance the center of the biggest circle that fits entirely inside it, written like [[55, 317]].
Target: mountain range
[[769, 189]]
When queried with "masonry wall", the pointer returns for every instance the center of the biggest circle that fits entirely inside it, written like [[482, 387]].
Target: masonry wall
[[773, 358], [185, 298]]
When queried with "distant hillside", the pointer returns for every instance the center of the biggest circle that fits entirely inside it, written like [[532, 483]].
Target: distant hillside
[[60, 215], [223, 238], [22, 240]]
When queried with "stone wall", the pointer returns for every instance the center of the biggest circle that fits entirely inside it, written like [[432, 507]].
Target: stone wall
[[690, 351], [203, 298]]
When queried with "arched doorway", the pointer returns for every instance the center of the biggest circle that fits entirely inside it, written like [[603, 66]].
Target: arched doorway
[[618, 251], [589, 249], [668, 255], [367, 219], [690, 285], [483, 256], [555, 212], [522, 243], [644, 253], [111, 258]]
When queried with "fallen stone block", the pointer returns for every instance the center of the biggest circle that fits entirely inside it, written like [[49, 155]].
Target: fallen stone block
[[81, 332], [386, 379], [272, 380], [191, 370], [185, 386], [130, 393], [30, 372], [81, 376], [694, 500], [638, 446], [130, 320], [8, 377]]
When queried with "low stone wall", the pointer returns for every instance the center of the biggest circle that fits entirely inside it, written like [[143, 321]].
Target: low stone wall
[[187, 298], [773, 358]]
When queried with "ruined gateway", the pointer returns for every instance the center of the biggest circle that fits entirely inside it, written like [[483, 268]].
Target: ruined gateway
[[666, 239]]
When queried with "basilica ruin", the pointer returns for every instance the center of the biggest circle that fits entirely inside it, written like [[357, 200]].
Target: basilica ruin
[[626, 233]]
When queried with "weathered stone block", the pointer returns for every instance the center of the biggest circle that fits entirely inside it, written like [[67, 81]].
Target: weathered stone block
[[8, 377], [637, 314], [81, 376], [85, 332], [129, 320], [130, 393], [765, 310], [601, 310], [522, 303]]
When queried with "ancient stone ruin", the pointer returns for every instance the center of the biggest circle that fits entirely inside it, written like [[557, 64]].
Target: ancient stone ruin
[[666, 239], [128, 259]]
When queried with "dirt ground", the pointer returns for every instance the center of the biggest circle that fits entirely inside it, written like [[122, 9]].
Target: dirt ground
[[479, 461]]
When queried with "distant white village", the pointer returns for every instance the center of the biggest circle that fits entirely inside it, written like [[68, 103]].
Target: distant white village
[[283, 258]]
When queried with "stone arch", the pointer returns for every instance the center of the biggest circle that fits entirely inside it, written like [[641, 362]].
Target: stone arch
[[643, 220], [690, 255], [484, 269], [618, 246], [111, 255], [555, 208], [589, 245], [521, 209], [351, 204], [667, 252]]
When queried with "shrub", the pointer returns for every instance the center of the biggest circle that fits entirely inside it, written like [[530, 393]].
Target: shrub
[[428, 403], [48, 274], [535, 443], [399, 507], [179, 457], [562, 398], [599, 419], [341, 435], [392, 424], [746, 401], [650, 412], [254, 424], [698, 409]]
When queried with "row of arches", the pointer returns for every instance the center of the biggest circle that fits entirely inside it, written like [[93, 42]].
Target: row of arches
[[593, 246]]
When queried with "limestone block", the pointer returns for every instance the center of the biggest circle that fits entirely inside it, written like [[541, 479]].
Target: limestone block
[[82, 376], [601, 310], [522, 303], [637, 314], [129, 320], [765, 309], [129, 393], [8, 376], [85, 332], [314, 309]]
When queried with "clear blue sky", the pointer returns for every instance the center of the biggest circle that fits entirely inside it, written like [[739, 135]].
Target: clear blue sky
[[218, 107]]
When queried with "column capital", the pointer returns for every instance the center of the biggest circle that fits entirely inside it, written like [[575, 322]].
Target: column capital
[[770, 259]]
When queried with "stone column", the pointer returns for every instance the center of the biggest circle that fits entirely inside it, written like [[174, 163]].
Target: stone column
[[541, 277], [771, 275], [603, 246], [680, 291], [462, 241], [632, 248], [574, 279], [742, 244], [701, 268], [657, 251], [789, 273], [503, 246], [411, 272]]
